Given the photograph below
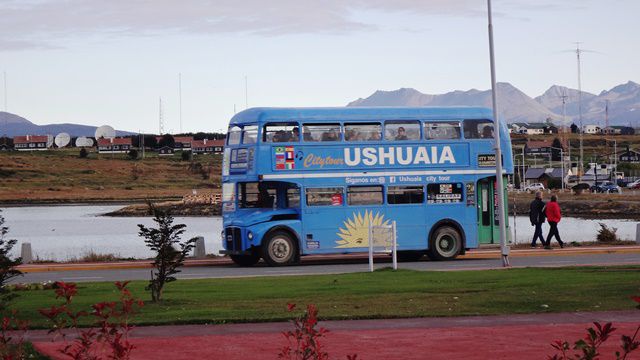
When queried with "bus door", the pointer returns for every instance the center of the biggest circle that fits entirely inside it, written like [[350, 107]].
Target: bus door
[[488, 227], [323, 213], [488, 232]]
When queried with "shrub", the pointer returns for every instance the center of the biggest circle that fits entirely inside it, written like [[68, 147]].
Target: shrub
[[163, 241], [186, 155], [133, 154], [83, 153], [606, 234], [8, 265]]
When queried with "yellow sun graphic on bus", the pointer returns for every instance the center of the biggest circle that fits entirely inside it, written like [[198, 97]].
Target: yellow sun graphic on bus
[[356, 230]]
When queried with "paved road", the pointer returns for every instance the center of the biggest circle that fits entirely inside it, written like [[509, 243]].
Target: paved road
[[223, 271]]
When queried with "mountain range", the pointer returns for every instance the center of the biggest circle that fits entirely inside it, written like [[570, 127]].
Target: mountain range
[[622, 103], [14, 125]]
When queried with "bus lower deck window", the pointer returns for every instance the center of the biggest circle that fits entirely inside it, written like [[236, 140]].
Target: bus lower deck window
[[331, 196], [444, 193], [364, 195], [405, 195]]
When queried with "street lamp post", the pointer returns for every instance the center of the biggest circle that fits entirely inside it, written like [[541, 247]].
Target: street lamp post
[[499, 181]]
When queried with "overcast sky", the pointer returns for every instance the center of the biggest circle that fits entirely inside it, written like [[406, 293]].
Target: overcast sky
[[101, 62]]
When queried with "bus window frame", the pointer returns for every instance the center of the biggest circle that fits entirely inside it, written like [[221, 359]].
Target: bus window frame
[[231, 131], [422, 203], [306, 196], [244, 132], [479, 136], [382, 194], [390, 122], [462, 193], [328, 125], [357, 124], [285, 124], [432, 122]]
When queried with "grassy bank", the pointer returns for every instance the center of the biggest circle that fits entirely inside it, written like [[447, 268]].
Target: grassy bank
[[62, 176], [382, 294]]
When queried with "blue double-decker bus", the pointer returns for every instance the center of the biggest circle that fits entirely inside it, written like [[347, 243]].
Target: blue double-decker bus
[[300, 181]]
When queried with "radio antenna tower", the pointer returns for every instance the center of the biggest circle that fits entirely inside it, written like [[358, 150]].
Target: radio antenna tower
[[564, 98], [161, 118], [606, 114], [180, 98]]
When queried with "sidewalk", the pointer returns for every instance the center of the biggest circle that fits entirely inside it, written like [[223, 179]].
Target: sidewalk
[[482, 253], [526, 336]]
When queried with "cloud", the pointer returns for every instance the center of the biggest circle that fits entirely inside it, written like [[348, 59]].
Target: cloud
[[44, 23]]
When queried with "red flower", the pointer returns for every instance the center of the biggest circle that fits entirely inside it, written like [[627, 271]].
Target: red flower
[[290, 306]]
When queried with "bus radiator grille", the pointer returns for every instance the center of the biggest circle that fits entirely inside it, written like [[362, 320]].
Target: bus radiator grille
[[233, 238]]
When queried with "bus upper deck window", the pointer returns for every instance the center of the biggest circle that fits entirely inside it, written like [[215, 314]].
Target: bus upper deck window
[[281, 132], [362, 132], [478, 129], [233, 136], [249, 134], [321, 132], [401, 130], [443, 130]]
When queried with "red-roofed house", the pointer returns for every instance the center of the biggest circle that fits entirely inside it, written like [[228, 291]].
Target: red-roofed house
[[207, 146], [183, 142], [115, 145], [32, 142]]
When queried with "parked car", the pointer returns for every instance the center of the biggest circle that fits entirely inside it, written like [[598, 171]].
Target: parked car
[[606, 187], [534, 187], [633, 185]]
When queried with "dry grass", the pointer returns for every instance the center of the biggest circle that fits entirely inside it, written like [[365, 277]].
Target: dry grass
[[58, 176]]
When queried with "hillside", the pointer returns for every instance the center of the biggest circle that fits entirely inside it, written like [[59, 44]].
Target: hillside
[[61, 176], [14, 125], [516, 106]]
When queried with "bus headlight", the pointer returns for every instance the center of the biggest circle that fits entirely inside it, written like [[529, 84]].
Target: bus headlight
[[249, 235], [222, 235]]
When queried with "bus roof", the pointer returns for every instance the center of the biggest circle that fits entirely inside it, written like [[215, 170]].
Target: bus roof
[[266, 114]]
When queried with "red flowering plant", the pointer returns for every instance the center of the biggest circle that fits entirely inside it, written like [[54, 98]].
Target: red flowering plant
[[303, 343], [12, 333], [588, 348], [111, 331]]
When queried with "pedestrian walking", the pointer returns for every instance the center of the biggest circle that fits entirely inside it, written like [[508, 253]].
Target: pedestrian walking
[[537, 216], [552, 211]]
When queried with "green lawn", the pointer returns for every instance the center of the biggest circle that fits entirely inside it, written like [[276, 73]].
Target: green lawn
[[382, 294]]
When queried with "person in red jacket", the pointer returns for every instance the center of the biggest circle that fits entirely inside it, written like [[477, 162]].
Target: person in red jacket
[[552, 211]]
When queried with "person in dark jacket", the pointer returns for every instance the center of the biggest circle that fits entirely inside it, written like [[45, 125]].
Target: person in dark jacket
[[552, 211], [536, 215]]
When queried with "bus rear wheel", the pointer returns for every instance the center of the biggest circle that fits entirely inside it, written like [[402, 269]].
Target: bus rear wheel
[[279, 248], [246, 260], [445, 243]]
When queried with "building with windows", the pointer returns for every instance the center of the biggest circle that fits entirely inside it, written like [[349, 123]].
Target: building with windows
[[32, 142], [114, 145]]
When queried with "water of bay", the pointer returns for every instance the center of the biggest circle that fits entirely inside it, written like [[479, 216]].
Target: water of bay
[[69, 232]]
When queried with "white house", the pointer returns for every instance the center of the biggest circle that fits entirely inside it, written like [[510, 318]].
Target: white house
[[591, 129]]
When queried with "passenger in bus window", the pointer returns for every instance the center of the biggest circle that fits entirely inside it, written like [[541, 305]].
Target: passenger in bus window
[[487, 132], [295, 134], [350, 135], [374, 136], [306, 135], [331, 135], [401, 134]]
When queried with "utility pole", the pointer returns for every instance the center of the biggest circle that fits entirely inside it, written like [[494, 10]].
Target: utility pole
[[581, 165], [246, 93], [496, 124]]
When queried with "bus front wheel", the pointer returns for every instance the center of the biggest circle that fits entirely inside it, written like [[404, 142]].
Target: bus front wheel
[[279, 249], [445, 243]]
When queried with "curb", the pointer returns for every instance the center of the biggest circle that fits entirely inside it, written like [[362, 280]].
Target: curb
[[328, 259]]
